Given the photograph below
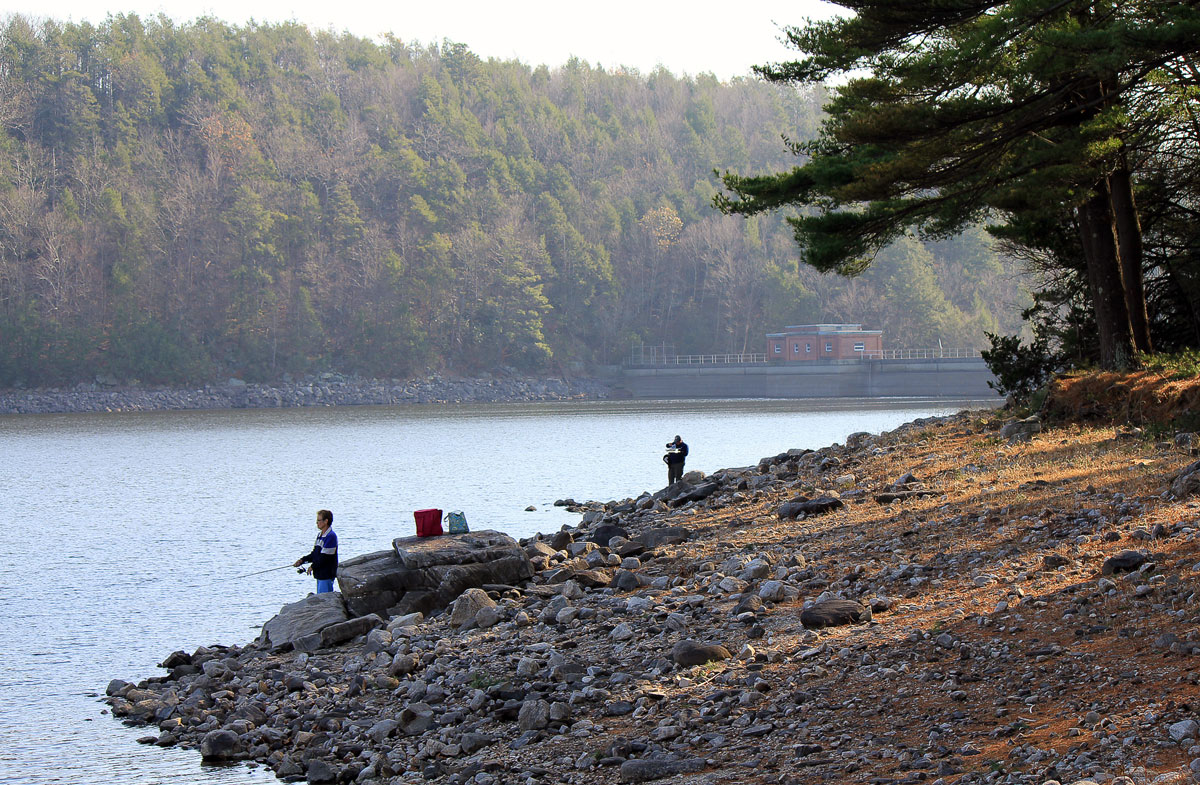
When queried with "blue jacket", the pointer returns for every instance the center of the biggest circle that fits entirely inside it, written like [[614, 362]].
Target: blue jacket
[[324, 556]]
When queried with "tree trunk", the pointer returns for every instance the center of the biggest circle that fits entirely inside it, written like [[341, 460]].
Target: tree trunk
[[1099, 235], [1129, 243]]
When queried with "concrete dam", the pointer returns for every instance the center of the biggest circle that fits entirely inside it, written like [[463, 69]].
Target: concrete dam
[[857, 378]]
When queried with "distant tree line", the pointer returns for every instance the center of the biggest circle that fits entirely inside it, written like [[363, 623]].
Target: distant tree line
[[183, 202]]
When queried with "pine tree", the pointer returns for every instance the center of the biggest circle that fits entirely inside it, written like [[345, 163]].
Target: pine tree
[[976, 107]]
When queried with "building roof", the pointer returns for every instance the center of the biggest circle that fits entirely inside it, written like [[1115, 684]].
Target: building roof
[[824, 329]]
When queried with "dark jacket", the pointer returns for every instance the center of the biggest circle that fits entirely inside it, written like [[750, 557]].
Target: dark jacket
[[324, 556], [677, 454]]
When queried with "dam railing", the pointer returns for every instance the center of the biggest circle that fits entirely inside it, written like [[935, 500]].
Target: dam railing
[[643, 356]]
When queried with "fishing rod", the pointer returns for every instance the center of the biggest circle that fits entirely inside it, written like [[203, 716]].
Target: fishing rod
[[263, 572]]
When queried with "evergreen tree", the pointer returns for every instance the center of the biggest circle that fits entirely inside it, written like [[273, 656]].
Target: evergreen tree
[[969, 108]]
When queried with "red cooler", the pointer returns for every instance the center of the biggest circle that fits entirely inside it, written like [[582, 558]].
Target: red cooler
[[429, 522]]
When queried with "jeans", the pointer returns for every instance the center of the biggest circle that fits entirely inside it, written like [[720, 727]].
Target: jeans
[[674, 473], [324, 586]]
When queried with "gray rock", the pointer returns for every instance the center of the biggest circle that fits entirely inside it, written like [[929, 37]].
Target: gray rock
[[1125, 561], [219, 745], [1054, 561], [665, 535], [474, 742], [539, 548], [534, 715], [382, 729], [624, 580], [1187, 729], [416, 718], [622, 632], [687, 653], [349, 629], [772, 591], [618, 708], [834, 613], [1021, 430], [310, 615], [605, 532], [377, 641], [308, 643], [468, 605], [288, 768], [1187, 481], [320, 771], [488, 617], [807, 506], [750, 603], [859, 439], [645, 770], [694, 494]]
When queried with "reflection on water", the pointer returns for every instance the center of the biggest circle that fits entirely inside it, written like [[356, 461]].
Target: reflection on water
[[125, 529]]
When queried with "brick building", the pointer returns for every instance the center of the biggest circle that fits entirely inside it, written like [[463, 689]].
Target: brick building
[[805, 342]]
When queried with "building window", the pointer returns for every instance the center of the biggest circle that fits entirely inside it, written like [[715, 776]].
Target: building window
[[778, 349], [795, 348], [829, 347], [808, 348], [860, 347]]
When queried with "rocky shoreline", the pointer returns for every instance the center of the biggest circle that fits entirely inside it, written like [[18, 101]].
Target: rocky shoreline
[[327, 389], [961, 600]]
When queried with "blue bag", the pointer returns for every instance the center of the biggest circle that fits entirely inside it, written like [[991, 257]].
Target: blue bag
[[456, 522]]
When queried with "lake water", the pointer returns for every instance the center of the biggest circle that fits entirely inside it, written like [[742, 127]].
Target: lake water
[[126, 530]]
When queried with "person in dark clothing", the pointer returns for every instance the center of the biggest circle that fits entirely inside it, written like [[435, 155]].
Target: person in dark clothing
[[323, 559], [676, 454]]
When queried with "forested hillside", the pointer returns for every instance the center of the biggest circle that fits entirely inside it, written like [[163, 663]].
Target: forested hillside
[[186, 202]]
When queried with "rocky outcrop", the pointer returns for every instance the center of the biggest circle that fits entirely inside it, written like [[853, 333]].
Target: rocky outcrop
[[429, 573]]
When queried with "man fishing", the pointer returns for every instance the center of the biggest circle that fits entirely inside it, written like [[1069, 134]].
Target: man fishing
[[323, 559], [676, 455]]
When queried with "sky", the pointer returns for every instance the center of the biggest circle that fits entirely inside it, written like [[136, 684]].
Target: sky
[[724, 39]]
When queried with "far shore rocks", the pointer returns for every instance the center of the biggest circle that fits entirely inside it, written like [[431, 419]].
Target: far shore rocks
[[327, 389]]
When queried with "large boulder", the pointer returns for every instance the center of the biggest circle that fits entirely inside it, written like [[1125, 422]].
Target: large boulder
[[219, 745], [1125, 561], [1187, 481], [1021, 430], [468, 605], [306, 617], [605, 532], [687, 653], [429, 573], [375, 582], [339, 633], [834, 613], [694, 494], [663, 535], [806, 506]]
